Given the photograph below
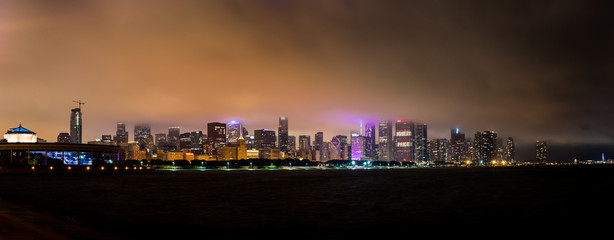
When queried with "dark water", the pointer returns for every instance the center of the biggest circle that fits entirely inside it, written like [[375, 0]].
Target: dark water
[[314, 203]]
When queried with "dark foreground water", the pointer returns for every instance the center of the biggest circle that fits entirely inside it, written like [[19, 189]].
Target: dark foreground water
[[312, 203]]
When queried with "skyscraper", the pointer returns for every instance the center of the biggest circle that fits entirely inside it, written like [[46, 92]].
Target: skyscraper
[[403, 141], [75, 125], [510, 150], [438, 149], [283, 135], [459, 149], [319, 141], [121, 134], [343, 147], [173, 138], [485, 146], [541, 151], [358, 146], [385, 141], [234, 132], [291, 143], [421, 152], [369, 138], [141, 132], [216, 134], [63, 137], [304, 146], [264, 138]]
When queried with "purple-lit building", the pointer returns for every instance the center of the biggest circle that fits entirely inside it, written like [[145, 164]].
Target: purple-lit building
[[369, 139], [403, 141], [358, 146]]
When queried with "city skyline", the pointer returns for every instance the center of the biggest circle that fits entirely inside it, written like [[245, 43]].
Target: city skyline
[[529, 70]]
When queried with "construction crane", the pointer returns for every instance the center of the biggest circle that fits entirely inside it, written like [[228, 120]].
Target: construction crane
[[79, 102]]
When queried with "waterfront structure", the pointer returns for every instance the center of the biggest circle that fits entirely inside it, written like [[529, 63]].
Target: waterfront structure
[[45, 154], [20, 135], [541, 151], [121, 134], [282, 141], [385, 141], [264, 138], [233, 132], [421, 152], [216, 135], [485, 146], [63, 137], [403, 141], [76, 125], [142, 131]]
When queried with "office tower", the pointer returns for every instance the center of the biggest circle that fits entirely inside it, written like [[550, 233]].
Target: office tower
[[541, 151], [75, 125], [216, 135], [510, 150], [385, 141], [173, 138], [283, 135], [196, 138], [121, 134], [160, 141], [63, 137], [459, 151], [421, 152], [403, 141], [343, 147], [185, 141], [234, 132], [264, 138], [438, 149], [141, 132], [106, 139], [358, 146], [304, 146], [291, 143], [319, 141], [485, 146], [369, 138]]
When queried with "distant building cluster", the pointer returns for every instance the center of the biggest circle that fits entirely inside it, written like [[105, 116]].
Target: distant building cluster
[[387, 141]]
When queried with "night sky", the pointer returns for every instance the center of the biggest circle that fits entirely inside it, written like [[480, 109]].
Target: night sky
[[532, 70]]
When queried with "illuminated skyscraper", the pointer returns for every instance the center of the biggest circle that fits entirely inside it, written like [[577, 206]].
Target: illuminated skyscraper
[[75, 125], [216, 135], [358, 146], [421, 152], [369, 138], [510, 150], [283, 135], [343, 147], [264, 138], [304, 146], [141, 132], [385, 141], [185, 141], [438, 149], [403, 141], [197, 142], [160, 141], [121, 135], [459, 149], [319, 141], [291, 143], [234, 132], [485, 146], [541, 151]]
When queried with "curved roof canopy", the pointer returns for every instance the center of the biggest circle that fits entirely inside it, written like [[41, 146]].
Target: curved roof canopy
[[19, 129]]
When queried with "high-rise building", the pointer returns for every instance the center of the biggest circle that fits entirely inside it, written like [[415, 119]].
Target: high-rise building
[[421, 152], [292, 143], [283, 135], [541, 151], [76, 125], [121, 134], [343, 147], [196, 138], [485, 146], [403, 141], [319, 141], [438, 149], [358, 146], [264, 138], [304, 146], [160, 141], [141, 132], [185, 141], [459, 149], [216, 135], [510, 150], [234, 132], [173, 138], [369, 138], [385, 141], [63, 137]]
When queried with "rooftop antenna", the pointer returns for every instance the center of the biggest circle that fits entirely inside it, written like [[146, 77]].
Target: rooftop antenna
[[79, 102]]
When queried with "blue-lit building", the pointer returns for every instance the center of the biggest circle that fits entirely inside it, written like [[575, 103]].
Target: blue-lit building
[[43, 154]]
